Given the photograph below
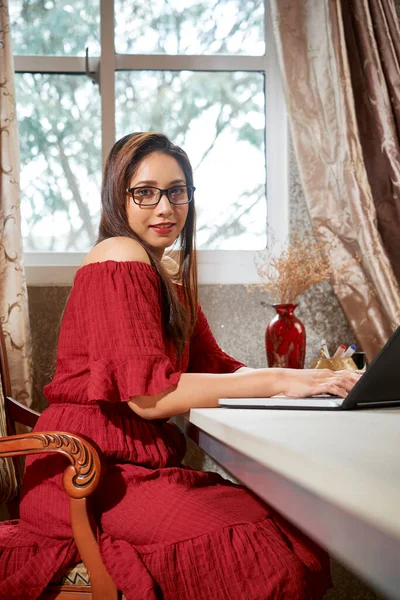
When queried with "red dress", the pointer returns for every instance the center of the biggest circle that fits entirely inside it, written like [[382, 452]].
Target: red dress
[[166, 531]]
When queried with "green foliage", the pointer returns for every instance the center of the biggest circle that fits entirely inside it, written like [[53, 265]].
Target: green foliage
[[57, 28], [190, 26]]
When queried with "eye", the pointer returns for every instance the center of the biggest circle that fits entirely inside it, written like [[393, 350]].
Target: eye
[[144, 192], [178, 190]]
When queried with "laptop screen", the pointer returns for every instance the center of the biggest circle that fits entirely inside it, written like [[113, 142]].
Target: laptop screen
[[381, 381]]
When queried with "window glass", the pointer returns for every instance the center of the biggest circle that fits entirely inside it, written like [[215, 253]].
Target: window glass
[[190, 27], [219, 120], [60, 140], [218, 117], [51, 27]]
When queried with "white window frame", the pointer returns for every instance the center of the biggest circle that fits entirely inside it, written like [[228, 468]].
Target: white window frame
[[215, 266]]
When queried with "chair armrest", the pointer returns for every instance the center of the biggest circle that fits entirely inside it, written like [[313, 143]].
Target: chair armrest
[[80, 479]]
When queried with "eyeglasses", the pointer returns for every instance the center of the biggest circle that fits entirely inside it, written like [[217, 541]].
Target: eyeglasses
[[150, 196]]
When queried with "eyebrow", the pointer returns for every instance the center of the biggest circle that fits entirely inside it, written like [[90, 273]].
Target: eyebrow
[[151, 182]]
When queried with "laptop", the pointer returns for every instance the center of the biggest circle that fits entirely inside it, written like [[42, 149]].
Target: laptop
[[378, 387]]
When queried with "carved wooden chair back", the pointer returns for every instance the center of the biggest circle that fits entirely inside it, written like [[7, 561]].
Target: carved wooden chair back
[[10, 468]]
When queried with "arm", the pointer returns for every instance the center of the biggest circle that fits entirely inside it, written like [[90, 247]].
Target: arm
[[212, 374], [202, 390]]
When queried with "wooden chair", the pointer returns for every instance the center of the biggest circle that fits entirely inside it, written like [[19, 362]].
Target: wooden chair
[[80, 479]]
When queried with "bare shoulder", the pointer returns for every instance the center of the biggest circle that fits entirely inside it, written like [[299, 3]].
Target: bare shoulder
[[118, 249]]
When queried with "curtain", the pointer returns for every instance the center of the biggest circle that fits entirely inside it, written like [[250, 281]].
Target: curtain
[[14, 314], [340, 65]]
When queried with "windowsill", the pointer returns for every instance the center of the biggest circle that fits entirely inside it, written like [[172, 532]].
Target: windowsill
[[216, 267]]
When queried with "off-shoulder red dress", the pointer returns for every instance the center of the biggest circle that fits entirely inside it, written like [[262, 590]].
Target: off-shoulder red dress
[[166, 531]]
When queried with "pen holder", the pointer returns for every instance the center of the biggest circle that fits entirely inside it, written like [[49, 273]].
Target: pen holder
[[335, 364]]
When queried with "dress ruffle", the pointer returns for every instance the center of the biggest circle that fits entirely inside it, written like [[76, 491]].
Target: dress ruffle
[[116, 381], [261, 560], [112, 344], [115, 348], [30, 562], [248, 560], [120, 557]]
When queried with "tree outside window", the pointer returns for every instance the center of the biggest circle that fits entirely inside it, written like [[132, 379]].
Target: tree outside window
[[217, 115]]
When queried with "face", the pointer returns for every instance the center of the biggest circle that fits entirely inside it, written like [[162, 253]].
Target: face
[[158, 225]]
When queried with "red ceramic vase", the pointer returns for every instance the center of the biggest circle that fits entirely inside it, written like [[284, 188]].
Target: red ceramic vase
[[285, 338]]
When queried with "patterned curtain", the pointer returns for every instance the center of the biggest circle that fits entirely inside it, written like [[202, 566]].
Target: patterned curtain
[[340, 61], [14, 314]]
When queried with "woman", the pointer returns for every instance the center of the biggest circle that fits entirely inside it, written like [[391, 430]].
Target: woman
[[135, 349]]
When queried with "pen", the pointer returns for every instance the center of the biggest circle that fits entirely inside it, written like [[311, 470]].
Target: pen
[[350, 351], [340, 351], [324, 349]]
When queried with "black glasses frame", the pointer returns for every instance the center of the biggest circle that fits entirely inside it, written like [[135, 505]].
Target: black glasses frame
[[190, 188]]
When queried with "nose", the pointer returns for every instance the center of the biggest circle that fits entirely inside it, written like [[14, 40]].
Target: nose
[[164, 207]]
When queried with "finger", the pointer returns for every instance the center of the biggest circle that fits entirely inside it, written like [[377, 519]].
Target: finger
[[345, 383], [346, 380], [339, 376], [351, 375], [334, 389]]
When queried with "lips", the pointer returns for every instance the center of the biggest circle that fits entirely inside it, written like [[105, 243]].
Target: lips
[[163, 227]]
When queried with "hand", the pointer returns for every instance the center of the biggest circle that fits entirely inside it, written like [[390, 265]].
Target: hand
[[300, 383]]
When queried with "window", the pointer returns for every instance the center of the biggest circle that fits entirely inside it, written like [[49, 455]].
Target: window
[[203, 72]]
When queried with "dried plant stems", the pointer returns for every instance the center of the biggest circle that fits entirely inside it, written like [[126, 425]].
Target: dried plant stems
[[300, 265]]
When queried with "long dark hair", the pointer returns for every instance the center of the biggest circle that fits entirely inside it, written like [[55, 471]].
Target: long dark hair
[[122, 163]]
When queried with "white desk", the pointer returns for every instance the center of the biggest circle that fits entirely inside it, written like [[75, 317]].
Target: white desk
[[334, 474]]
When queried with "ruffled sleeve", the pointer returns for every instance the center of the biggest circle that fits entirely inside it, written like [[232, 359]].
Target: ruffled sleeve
[[121, 319], [205, 356]]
